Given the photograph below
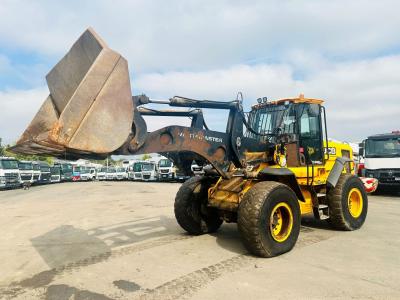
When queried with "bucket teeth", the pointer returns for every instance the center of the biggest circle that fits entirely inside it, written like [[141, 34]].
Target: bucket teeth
[[89, 109]]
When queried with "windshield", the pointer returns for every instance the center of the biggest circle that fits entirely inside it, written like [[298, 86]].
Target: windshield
[[9, 164], [165, 163], [121, 170], [147, 167], [84, 171], [111, 170], [137, 167], [104, 169], [66, 167], [25, 166], [388, 147], [44, 168], [76, 169], [55, 170]]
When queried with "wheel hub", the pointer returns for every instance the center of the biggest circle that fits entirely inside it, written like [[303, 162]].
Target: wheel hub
[[281, 222], [355, 202]]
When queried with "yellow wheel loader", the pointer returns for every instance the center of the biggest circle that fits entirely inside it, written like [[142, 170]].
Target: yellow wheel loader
[[271, 166]]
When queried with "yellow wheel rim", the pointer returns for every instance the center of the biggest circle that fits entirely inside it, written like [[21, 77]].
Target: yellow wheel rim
[[281, 222], [355, 202]]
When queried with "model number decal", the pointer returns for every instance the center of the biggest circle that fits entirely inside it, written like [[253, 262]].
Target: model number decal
[[331, 150], [200, 137]]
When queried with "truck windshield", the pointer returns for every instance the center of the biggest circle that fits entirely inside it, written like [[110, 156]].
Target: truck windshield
[[165, 163], [67, 167], [8, 164], [55, 170], [147, 167], [111, 170], [121, 170], [25, 166], [44, 169], [103, 169], [137, 167], [84, 171], [388, 147]]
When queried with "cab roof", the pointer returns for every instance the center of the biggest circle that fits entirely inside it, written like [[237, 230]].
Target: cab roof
[[299, 99]]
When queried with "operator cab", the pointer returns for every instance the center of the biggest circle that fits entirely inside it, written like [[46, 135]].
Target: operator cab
[[296, 123]]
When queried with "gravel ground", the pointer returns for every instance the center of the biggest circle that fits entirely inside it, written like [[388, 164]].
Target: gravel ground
[[120, 240]]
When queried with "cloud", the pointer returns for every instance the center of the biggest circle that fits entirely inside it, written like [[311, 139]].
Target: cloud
[[198, 35], [18, 108], [361, 97]]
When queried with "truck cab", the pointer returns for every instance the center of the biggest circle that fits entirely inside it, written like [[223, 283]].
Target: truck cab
[[149, 171], [66, 171], [45, 174], [55, 172], [25, 171], [382, 158], [76, 173], [102, 173], [111, 173], [36, 172], [137, 170], [121, 173], [9, 173], [166, 169]]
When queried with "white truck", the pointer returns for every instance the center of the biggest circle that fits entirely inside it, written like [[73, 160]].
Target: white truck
[[381, 154], [25, 172], [88, 174], [9, 173], [121, 173], [102, 173], [55, 174], [149, 171], [166, 170], [135, 172], [111, 173], [36, 171]]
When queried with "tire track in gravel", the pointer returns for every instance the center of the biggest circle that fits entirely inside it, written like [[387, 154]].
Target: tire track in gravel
[[44, 278], [187, 285]]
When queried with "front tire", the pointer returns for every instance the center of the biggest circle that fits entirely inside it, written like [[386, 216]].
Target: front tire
[[191, 211], [269, 219], [348, 203]]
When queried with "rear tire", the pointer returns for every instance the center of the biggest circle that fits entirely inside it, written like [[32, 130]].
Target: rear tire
[[191, 211], [269, 219], [348, 203]]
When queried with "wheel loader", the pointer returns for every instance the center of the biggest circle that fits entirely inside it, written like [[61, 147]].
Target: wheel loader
[[269, 167]]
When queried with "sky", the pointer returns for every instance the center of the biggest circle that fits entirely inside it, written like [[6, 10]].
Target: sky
[[345, 52]]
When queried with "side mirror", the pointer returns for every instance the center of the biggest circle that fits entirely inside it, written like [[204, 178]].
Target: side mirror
[[361, 151]]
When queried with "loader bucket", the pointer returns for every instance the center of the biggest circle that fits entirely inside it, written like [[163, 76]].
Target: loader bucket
[[89, 109]]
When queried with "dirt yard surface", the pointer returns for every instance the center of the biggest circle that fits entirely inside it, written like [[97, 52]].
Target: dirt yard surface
[[120, 240]]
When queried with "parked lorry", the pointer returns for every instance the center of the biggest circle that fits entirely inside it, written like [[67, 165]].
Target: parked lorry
[[102, 173], [25, 172], [66, 171], [45, 174], [166, 170], [111, 173], [9, 173], [76, 173], [121, 173], [269, 167], [55, 172], [136, 170], [36, 172], [381, 153], [149, 171], [88, 174]]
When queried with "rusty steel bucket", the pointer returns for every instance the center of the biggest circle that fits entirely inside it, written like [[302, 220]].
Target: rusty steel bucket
[[89, 109]]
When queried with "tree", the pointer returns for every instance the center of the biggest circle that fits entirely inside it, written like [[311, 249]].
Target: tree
[[1, 148], [146, 156]]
